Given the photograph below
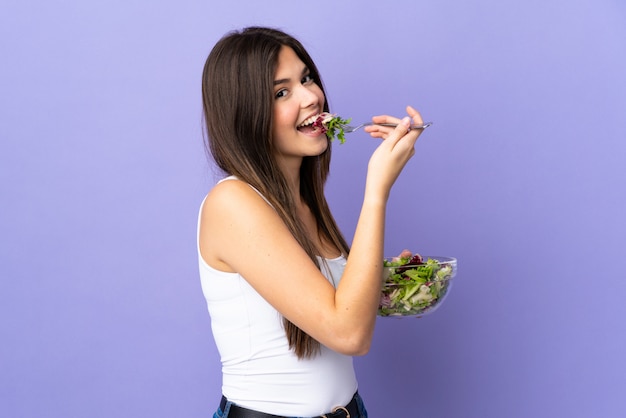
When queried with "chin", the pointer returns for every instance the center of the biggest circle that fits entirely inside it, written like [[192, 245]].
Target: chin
[[323, 145]]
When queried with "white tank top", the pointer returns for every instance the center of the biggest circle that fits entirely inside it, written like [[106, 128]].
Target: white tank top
[[259, 371]]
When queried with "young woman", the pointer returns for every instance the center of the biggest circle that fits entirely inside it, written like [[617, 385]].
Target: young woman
[[290, 303]]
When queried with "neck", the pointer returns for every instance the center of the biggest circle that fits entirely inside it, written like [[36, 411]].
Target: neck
[[291, 171]]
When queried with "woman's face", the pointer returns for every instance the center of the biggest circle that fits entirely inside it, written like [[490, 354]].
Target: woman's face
[[298, 100]]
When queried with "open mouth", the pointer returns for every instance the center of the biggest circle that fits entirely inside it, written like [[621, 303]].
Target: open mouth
[[314, 124]]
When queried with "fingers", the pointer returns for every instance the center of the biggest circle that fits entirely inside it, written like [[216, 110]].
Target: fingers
[[395, 151], [415, 115], [403, 136], [379, 131], [385, 119]]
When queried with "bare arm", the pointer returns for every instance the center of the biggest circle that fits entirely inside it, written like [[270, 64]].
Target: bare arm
[[240, 232]]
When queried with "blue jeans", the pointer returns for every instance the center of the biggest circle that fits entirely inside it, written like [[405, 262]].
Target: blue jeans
[[359, 401]]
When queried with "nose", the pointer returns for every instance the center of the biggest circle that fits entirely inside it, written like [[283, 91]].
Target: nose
[[307, 97]]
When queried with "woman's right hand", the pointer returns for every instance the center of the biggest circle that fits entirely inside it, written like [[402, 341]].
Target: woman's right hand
[[394, 152]]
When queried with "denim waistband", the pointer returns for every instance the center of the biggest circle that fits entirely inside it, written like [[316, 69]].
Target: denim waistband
[[351, 410]]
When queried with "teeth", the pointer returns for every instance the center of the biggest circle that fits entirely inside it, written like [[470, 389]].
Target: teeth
[[308, 121], [327, 117]]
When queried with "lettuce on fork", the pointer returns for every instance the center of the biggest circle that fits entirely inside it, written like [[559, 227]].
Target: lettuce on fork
[[332, 126]]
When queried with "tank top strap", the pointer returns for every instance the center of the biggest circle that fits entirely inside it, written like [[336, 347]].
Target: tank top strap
[[251, 186]]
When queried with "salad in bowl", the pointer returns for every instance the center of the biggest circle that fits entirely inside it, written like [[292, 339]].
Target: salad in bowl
[[414, 286]]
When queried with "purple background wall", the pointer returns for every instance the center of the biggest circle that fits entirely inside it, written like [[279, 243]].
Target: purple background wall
[[522, 178]]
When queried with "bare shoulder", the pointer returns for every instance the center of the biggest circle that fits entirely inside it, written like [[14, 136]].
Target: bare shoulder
[[232, 215], [230, 198]]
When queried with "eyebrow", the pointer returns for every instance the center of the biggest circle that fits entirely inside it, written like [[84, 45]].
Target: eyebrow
[[305, 70]]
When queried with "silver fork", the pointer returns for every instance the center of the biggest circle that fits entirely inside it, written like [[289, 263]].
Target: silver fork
[[349, 129]]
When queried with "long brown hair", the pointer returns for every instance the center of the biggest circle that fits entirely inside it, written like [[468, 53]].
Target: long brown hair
[[238, 100]]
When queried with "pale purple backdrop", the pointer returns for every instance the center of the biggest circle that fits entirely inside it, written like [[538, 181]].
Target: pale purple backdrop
[[521, 178]]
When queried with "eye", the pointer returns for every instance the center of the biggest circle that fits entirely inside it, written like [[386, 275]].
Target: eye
[[307, 79], [280, 93]]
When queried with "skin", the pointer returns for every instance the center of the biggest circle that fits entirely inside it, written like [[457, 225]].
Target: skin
[[241, 233]]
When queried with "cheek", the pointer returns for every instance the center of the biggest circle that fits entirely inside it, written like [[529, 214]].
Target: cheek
[[284, 115], [283, 122]]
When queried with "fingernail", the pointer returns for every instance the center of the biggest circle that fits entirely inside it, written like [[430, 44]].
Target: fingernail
[[406, 121]]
